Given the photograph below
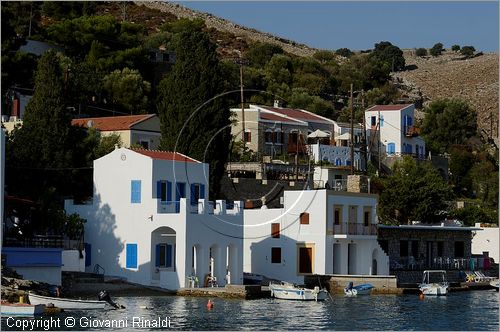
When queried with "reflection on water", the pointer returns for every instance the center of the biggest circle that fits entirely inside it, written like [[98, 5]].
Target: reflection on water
[[478, 310]]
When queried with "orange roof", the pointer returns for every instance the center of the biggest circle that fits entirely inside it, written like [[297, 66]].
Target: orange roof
[[297, 114], [397, 107], [275, 117], [165, 155], [112, 123]]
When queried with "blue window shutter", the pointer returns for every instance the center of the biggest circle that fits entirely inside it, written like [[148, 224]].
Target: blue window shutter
[[131, 261], [193, 196], [202, 191], [88, 254], [169, 191], [168, 255], [157, 256], [135, 191], [158, 189]]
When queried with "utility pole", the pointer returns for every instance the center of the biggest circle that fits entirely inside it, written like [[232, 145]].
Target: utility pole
[[378, 149], [365, 149], [352, 134], [240, 61]]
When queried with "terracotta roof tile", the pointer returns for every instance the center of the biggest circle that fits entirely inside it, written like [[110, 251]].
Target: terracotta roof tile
[[275, 117], [165, 155], [297, 114], [397, 107], [112, 123]]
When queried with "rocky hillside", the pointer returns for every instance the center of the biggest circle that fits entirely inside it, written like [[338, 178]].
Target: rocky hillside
[[451, 76]]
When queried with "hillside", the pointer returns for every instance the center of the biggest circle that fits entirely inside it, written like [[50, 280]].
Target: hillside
[[449, 76]]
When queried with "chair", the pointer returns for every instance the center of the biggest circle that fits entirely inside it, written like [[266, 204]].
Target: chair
[[470, 276]]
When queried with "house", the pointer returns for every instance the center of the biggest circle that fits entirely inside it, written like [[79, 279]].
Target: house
[[486, 242], [316, 232], [393, 127], [142, 130], [150, 221]]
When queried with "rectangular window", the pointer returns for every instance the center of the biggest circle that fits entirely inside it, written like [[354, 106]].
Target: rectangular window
[[180, 191], [163, 255], [403, 248], [144, 144], [373, 121], [459, 249], [131, 256], [135, 191], [366, 219], [440, 246], [414, 249], [268, 137], [161, 190], [275, 255], [336, 217], [304, 218], [275, 230], [248, 136]]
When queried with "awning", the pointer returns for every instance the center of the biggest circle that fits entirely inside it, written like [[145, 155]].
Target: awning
[[318, 134]]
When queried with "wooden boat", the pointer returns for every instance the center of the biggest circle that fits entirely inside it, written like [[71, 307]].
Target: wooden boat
[[495, 284], [21, 309], [66, 304], [288, 291], [363, 289], [437, 288]]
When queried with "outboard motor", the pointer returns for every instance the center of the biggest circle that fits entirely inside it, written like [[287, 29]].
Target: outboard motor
[[349, 285], [104, 296]]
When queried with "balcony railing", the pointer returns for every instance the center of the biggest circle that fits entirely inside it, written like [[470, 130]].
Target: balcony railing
[[202, 206], [354, 229], [436, 263]]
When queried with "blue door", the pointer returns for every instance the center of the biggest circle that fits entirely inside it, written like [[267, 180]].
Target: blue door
[[391, 148]]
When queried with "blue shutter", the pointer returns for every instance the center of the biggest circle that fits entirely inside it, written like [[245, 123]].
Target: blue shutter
[[202, 191], [158, 189], [131, 261], [88, 254], [193, 194], [168, 255], [169, 191], [157, 256], [135, 191]]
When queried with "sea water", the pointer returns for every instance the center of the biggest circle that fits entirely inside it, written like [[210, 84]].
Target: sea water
[[464, 311]]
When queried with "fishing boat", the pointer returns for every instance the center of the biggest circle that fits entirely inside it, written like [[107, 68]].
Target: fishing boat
[[437, 287], [21, 309], [66, 304], [288, 291], [495, 284], [363, 289]]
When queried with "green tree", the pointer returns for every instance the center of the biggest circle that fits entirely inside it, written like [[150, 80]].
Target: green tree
[[192, 122], [461, 161], [472, 214], [484, 177], [413, 192], [448, 122], [437, 49], [421, 52], [467, 51], [324, 56], [345, 52], [128, 90], [390, 55], [260, 53], [455, 48]]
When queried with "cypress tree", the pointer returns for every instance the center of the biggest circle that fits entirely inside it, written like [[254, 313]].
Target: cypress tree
[[194, 121]]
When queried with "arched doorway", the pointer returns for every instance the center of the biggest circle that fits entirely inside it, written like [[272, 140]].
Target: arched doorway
[[163, 254]]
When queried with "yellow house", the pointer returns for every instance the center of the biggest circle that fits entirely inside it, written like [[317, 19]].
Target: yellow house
[[141, 130]]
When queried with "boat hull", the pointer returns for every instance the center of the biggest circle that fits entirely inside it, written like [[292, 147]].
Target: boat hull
[[434, 289], [298, 294], [495, 284], [365, 289], [66, 304], [19, 309]]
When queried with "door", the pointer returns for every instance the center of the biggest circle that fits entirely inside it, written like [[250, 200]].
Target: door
[[391, 148], [351, 258], [305, 260], [429, 253]]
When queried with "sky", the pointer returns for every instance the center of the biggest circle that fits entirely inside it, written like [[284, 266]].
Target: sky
[[359, 25]]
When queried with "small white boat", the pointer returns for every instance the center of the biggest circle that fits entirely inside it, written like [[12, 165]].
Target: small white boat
[[288, 291], [66, 304], [495, 284], [21, 309], [438, 286], [363, 289]]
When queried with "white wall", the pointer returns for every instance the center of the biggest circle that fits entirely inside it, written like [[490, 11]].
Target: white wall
[[71, 261], [50, 275], [486, 239], [331, 153]]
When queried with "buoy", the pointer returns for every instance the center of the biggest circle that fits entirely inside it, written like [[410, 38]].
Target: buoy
[[210, 305], [421, 296]]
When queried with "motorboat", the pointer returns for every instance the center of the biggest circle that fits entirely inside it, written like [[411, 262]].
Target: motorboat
[[288, 291], [252, 279], [66, 304], [495, 284], [21, 309], [434, 283], [363, 289]]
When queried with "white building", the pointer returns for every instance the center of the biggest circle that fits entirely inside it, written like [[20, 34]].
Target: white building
[[150, 221], [316, 232], [394, 125], [486, 241]]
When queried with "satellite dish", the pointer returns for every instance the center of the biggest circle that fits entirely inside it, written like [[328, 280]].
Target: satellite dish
[[90, 123]]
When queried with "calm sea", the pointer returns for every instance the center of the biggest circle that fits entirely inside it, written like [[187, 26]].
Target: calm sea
[[463, 311]]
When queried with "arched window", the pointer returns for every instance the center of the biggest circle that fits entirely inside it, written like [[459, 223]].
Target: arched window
[[304, 218], [338, 162]]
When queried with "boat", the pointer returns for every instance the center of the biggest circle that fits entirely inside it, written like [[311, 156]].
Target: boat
[[495, 284], [21, 309], [66, 304], [439, 287], [363, 289], [252, 279], [288, 291]]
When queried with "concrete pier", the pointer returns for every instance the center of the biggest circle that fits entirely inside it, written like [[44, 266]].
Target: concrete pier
[[229, 291]]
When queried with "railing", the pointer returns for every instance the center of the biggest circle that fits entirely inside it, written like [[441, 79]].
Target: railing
[[202, 206], [354, 229], [99, 269], [44, 241], [337, 185], [437, 263]]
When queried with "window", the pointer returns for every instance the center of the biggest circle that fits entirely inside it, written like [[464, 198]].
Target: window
[[275, 255], [197, 192], [131, 256], [391, 148], [278, 137], [459, 249], [403, 248], [338, 162], [164, 255], [373, 121], [144, 144], [248, 136], [366, 218], [414, 248], [135, 191], [304, 218], [337, 213], [440, 246], [275, 230], [180, 191], [164, 191], [268, 137]]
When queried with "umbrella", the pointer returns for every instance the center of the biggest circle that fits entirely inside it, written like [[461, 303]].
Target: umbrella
[[318, 134]]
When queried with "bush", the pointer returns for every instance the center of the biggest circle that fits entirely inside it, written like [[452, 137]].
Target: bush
[[437, 49], [345, 52], [468, 51], [421, 52], [455, 48]]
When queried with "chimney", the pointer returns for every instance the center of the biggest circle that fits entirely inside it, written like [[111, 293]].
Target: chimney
[[276, 103]]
